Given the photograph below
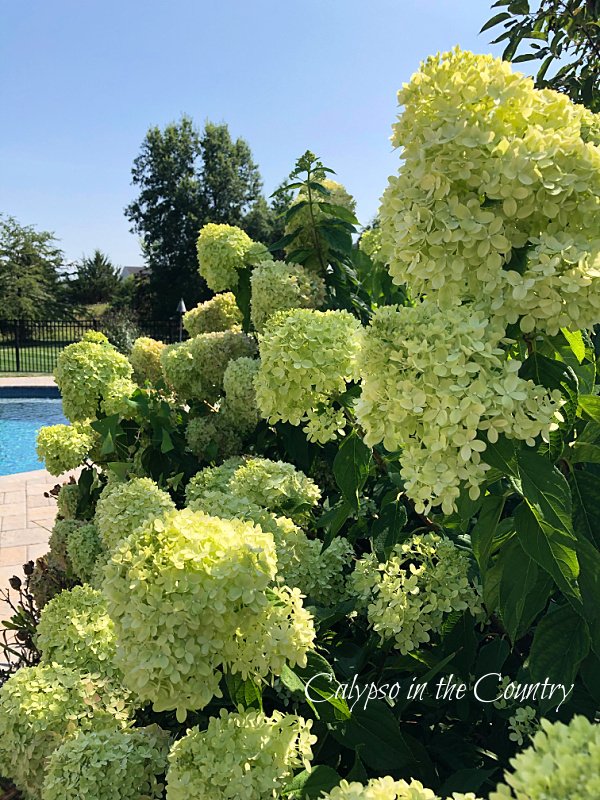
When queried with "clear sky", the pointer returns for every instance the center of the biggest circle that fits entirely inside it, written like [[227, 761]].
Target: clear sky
[[82, 80]]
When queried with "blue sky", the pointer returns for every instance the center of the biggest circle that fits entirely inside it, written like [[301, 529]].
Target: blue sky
[[83, 80]]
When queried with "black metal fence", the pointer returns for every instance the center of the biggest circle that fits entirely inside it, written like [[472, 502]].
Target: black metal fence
[[34, 345]]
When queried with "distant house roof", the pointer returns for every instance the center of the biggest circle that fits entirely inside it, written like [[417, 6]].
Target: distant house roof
[[127, 271]]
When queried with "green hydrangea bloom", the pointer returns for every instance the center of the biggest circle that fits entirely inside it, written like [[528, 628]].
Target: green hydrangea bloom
[[58, 543], [64, 447], [42, 706], [222, 251], [115, 401], [278, 286], [381, 789], [102, 765], [562, 762], [370, 243], [68, 500], [220, 313], [431, 383], [124, 507], [195, 368], [496, 201], [409, 596], [240, 407], [307, 359], [213, 437], [84, 372], [272, 485], [75, 631], [241, 756], [145, 360], [84, 549]]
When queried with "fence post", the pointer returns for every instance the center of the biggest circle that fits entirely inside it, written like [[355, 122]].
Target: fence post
[[17, 348]]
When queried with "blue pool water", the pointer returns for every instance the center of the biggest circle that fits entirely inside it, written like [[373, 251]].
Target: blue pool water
[[20, 420]]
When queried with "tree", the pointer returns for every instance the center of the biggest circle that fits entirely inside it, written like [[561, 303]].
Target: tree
[[30, 264], [96, 281], [187, 178], [559, 33]]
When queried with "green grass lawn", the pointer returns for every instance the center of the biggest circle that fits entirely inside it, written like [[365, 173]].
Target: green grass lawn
[[34, 358]]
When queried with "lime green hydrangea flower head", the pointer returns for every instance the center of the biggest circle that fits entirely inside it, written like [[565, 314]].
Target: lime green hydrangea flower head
[[116, 399], [68, 500], [64, 447], [58, 542], [241, 756], [102, 765], [220, 313], [124, 507], [195, 368], [75, 631], [145, 360], [381, 789], [213, 436], [95, 336], [222, 251], [497, 196], [433, 384], [562, 762], [370, 243], [409, 596], [84, 549], [307, 359], [273, 485], [278, 286], [207, 574], [240, 407], [42, 706], [84, 372]]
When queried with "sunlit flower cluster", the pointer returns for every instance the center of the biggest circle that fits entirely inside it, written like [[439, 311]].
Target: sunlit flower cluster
[[124, 507], [370, 243], [117, 399], [385, 789], [185, 592], [145, 360], [241, 756], [195, 368], [240, 407], [222, 251], [272, 485], [84, 373], [409, 596], [220, 313], [42, 706], [561, 762], [497, 198], [434, 383], [307, 359], [213, 436], [278, 286], [84, 549], [64, 447], [102, 765], [75, 631]]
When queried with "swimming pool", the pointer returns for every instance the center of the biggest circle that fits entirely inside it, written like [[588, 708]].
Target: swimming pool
[[20, 419]]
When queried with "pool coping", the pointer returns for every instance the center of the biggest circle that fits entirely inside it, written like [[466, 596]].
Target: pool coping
[[22, 381]]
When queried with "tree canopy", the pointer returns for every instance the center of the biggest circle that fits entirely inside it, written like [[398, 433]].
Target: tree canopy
[[96, 280]]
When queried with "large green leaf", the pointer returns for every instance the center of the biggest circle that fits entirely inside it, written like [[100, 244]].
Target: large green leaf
[[555, 553], [560, 643], [318, 684], [484, 530], [374, 731], [589, 582], [351, 467], [388, 529], [546, 492], [590, 405], [524, 590], [243, 692], [585, 489], [309, 785]]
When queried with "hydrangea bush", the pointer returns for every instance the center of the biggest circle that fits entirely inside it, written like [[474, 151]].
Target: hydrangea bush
[[372, 464]]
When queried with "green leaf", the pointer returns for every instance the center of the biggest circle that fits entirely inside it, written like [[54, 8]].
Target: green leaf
[[351, 468], [374, 731], [318, 684], [314, 783], [546, 491], [555, 553], [333, 519], [583, 453], [495, 20], [242, 292], [242, 692], [388, 529], [560, 643], [484, 530], [340, 212], [585, 489], [166, 443], [589, 581], [576, 343], [590, 405], [502, 456], [524, 591]]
